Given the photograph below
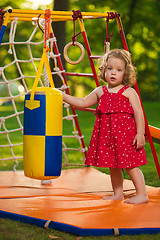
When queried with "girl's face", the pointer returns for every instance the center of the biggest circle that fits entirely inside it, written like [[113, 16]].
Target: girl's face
[[114, 72]]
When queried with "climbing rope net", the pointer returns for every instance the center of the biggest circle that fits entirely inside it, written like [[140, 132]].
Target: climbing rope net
[[16, 78]]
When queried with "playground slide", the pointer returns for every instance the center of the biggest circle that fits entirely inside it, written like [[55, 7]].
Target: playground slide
[[155, 133]]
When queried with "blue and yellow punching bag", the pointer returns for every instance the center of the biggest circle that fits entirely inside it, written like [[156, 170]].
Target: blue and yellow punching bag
[[42, 133]]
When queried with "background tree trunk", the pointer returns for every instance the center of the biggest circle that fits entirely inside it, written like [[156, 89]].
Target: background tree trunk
[[131, 15], [59, 29]]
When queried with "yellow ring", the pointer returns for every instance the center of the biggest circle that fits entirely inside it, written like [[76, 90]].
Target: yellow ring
[[66, 56]]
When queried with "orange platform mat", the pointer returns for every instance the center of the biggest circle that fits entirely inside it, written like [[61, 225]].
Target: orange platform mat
[[73, 203]]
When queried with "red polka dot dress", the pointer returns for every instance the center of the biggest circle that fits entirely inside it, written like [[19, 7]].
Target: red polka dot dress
[[113, 134]]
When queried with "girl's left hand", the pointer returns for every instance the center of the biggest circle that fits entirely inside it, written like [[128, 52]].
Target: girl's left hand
[[139, 140]]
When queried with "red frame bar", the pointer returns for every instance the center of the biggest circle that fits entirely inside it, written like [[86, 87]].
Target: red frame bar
[[88, 51], [137, 90], [78, 74]]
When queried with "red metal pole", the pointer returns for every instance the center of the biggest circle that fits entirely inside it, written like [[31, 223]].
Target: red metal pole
[[149, 134], [78, 74], [137, 90], [120, 27], [88, 51]]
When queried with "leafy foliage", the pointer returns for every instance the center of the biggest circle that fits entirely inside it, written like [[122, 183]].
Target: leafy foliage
[[140, 23], [142, 32]]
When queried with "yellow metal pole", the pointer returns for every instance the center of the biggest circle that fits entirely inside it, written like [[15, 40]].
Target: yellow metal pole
[[4, 24], [7, 16], [61, 13]]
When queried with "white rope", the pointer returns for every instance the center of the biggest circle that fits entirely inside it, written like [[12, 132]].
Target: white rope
[[12, 34]]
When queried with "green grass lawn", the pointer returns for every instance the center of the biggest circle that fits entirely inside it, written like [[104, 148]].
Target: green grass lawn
[[10, 230]]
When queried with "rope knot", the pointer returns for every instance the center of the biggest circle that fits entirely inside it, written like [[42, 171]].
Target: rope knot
[[47, 13], [108, 38], [73, 40], [76, 14]]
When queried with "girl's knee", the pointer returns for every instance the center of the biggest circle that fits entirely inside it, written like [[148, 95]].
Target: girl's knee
[[129, 170]]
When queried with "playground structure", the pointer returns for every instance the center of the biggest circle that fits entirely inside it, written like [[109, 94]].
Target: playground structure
[[50, 43]]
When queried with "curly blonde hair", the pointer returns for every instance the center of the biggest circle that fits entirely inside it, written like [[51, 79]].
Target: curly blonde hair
[[129, 74]]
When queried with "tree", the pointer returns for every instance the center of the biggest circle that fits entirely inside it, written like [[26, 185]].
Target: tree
[[59, 29]]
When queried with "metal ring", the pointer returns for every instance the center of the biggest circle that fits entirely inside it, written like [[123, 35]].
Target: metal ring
[[66, 56]]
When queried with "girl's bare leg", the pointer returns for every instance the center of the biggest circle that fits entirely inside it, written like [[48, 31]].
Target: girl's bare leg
[[117, 184], [139, 183]]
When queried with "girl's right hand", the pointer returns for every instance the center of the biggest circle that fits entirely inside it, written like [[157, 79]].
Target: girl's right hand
[[139, 141]]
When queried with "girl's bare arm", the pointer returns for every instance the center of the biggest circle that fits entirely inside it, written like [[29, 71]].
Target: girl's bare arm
[[139, 117], [79, 102]]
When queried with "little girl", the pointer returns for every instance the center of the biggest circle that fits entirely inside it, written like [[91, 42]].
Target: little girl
[[118, 136]]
